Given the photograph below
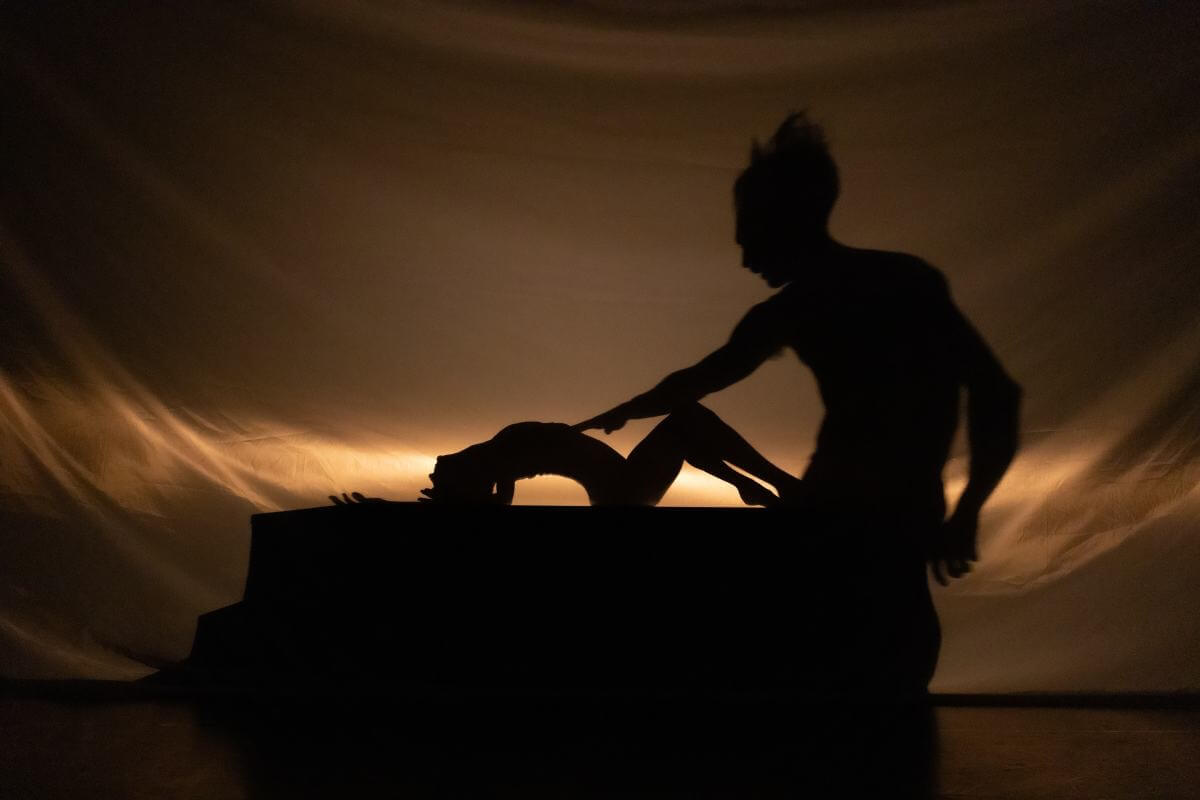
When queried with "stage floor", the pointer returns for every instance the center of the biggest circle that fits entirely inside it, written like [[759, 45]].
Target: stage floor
[[68, 747]]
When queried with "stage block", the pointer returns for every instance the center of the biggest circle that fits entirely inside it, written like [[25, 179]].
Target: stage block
[[577, 599]]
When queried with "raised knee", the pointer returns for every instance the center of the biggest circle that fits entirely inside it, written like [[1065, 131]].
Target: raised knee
[[689, 416]]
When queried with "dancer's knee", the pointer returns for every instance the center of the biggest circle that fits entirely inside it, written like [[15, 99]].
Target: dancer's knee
[[690, 416]]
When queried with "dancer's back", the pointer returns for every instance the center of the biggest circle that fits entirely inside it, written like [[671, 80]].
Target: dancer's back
[[530, 449]]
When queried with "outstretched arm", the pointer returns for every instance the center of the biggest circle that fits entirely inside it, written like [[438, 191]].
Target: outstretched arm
[[993, 408], [759, 335]]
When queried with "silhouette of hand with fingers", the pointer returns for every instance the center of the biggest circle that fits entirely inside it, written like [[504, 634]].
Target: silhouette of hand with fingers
[[428, 495], [954, 547], [353, 499], [611, 420], [432, 495]]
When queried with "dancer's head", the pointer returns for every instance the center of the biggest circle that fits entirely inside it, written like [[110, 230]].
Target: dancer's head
[[463, 477], [783, 200]]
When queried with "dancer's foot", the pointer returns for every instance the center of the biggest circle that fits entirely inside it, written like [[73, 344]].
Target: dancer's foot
[[755, 494], [791, 492]]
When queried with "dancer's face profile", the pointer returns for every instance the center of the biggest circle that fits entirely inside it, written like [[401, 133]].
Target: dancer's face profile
[[457, 478], [771, 249]]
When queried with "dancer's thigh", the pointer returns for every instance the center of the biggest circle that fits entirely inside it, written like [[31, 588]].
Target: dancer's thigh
[[653, 464]]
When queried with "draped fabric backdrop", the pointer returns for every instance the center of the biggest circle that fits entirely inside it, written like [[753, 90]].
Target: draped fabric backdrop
[[252, 253]]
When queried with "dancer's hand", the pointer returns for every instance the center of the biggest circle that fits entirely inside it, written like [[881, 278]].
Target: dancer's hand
[[353, 499], [431, 495], [611, 420], [954, 547]]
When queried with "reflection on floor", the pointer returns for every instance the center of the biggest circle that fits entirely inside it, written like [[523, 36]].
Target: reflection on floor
[[56, 747]]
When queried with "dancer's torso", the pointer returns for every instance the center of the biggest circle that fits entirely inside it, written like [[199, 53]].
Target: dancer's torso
[[877, 342]]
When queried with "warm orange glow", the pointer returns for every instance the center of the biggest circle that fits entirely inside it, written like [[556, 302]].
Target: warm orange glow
[[136, 452]]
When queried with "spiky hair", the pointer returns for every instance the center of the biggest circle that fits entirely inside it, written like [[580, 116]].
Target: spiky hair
[[793, 173]]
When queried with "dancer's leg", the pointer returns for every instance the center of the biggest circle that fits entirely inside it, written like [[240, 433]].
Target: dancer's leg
[[698, 436]]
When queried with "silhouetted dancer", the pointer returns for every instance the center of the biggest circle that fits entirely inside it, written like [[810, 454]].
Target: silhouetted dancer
[[889, 349], [890, 352], [486, 472], [842, 608]]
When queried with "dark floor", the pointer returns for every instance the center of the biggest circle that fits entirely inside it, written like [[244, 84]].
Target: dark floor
[[68, 747]]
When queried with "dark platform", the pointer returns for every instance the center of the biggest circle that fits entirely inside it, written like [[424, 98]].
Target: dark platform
[[416, 597]]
